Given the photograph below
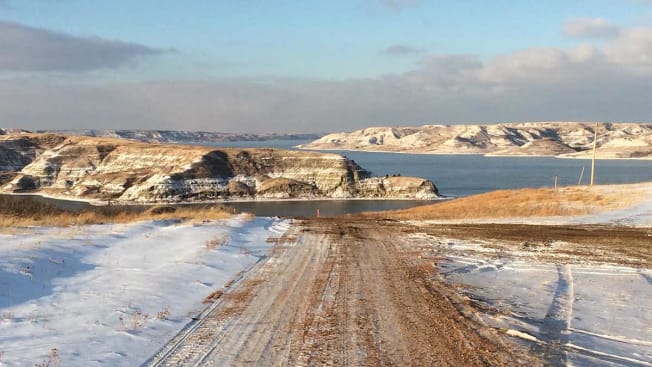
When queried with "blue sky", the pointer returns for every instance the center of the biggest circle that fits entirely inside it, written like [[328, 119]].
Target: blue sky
[[250, 43], [314, 39]]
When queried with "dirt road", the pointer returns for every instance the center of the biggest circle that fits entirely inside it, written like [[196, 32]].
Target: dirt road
[[340, 294]]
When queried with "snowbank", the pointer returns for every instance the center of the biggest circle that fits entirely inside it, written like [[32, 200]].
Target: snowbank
[[114, 294]]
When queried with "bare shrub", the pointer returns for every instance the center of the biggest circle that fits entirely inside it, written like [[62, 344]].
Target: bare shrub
[[53, 360], [7, 316], [133, 320], [216, 241], [164, 314]]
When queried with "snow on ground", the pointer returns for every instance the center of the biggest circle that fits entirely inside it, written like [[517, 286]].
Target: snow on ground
[[576, 314], [113, 295]]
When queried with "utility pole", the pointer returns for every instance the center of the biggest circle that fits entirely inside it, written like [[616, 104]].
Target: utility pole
[[595, 143]]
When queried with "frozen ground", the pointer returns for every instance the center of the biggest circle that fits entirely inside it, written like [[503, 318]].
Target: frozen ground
[[113, 295], [574, 314]]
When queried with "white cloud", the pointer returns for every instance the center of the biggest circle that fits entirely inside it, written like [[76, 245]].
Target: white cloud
[[632, 47], [611, 82], [590, 28], [24, 48]]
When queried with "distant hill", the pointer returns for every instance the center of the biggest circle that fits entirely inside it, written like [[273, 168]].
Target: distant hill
[[181, 136], [559, 139]]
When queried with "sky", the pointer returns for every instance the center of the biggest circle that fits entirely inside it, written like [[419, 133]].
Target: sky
[[321, 66]]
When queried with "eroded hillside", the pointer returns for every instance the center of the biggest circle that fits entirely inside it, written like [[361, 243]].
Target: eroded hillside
[[121, 170], [562, 139]]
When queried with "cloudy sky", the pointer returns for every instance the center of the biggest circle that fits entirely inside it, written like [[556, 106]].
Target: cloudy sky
[[321, 66]]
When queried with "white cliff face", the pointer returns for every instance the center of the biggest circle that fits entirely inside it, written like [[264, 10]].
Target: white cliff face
[[119, 170], [564, 139], [398, 187]]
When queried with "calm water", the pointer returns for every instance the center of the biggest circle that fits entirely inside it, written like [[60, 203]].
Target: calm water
[[264, 208], [326, 207], [460, 175]]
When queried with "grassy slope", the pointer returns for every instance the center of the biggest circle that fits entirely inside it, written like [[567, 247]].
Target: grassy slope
[[566, 201], [21, 211]]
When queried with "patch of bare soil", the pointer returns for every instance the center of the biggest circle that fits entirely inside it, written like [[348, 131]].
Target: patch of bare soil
[[589, 243]]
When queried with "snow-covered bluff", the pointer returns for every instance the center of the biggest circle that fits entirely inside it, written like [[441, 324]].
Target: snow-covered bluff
[[121, 170], [563, 139]]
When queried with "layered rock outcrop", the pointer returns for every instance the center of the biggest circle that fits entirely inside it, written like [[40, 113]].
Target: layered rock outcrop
[[120, 170], [562, 139]]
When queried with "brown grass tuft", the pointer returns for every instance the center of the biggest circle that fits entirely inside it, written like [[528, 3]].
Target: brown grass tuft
[[164, 314], [53, 360], [214, 296], [567, 201], [135, 320], [216, 241]]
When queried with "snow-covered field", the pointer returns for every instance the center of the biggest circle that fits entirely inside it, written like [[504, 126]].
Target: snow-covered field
[[574, 314], [113, 295]]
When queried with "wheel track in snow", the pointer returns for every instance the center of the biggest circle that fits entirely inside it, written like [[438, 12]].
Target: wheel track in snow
[[555, 328]]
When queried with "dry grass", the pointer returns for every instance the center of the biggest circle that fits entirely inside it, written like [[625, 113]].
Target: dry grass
[[567, 201], [52, 360], [135, 320], [68, 218], [216, 241], [164, 314], [214, 296]]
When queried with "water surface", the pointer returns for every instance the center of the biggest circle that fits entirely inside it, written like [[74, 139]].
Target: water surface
[[461, 175]]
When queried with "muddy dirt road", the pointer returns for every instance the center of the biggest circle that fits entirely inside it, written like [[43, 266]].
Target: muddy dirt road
[[340, 294], [364, 292]]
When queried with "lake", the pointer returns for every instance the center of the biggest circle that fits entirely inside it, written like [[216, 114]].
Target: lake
[[461, 175], [289, 208]]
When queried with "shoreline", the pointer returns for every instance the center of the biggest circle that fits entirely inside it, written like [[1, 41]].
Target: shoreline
[[100, 203]]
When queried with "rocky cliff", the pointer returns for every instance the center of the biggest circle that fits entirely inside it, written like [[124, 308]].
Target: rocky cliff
[[562, 139], [121, 170]]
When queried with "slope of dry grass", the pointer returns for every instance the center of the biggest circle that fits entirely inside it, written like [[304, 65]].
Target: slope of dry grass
[[566, 201], [19, 211]]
